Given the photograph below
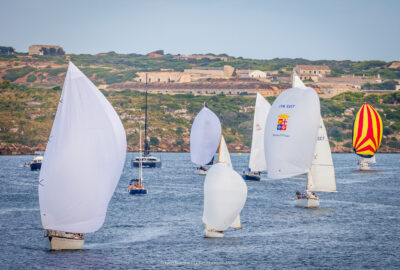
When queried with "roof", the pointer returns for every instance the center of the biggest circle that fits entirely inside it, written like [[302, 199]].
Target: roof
[[313, 67]]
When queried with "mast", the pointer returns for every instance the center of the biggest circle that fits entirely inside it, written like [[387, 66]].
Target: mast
[[140, 155], [146, 143]]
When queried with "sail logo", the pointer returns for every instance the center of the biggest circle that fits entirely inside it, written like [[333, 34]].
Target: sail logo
[[258, 127], [282, 122]]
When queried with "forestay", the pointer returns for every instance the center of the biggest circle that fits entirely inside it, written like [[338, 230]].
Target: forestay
[[83, 160], [257, 157], [322, 170], [291, 132], [223, 154], [205, 136], [225, 194]]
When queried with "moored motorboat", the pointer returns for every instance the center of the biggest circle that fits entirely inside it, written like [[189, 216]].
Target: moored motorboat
[[36, 163]]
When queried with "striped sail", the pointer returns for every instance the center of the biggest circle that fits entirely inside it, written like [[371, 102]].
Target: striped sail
[[367, 131]]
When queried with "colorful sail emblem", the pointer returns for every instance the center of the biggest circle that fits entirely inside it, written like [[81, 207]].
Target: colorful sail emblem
[[367, 131], [282, 122]]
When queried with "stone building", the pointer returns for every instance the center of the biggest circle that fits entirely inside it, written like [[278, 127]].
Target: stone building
[[45, 50], [188, 75], [313, 72]]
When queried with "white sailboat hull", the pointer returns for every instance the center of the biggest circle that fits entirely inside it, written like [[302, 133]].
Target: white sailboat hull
[[307, 203], [213, 233], [58, 243], [201, 172]]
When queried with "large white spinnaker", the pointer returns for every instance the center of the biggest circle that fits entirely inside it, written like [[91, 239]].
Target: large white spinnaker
[[257, 157], [322, 170], [223, 154], [205, 136], [83, 160], [291, 132], [225, 194]]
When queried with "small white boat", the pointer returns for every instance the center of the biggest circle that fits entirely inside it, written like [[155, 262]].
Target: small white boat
[[211, 233], [75, 186], [257, 162], [202, 170]]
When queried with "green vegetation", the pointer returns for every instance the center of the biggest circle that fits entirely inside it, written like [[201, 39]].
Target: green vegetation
[[26, 115], [388, 85], [15, 73]]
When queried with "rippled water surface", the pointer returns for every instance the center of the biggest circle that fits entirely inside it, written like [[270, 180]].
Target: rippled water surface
[[357, 227]]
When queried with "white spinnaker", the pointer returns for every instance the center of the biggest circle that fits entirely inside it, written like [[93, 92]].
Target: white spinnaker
[[83, 160], [225, 194], [257, 157], [204, 137], [322, 170], [289, 146], [223, 154]]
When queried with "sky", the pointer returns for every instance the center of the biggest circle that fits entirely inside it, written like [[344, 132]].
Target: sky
[[311, 29]]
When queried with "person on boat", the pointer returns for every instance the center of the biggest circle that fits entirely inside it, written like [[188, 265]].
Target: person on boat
[[298, 195], [315, 195]]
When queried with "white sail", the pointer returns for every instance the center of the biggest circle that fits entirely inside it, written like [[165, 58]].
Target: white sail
[[225, 194], [236, 223], [291, 132], [322, 170], [257, 157], [297, 82], [223, 154], [83, 160], [204, 137]]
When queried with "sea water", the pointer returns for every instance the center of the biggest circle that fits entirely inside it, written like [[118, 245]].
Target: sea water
[[358, 227]]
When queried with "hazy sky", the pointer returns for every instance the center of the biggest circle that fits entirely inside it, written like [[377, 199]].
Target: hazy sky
[[311, 29]]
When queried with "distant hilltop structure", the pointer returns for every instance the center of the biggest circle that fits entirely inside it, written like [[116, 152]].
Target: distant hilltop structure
[[45, 50], [6, 50], [156, 54], [188, 75], [202, 56], [312, 72]]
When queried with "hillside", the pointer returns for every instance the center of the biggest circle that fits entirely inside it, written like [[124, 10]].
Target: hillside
[[26, 116]]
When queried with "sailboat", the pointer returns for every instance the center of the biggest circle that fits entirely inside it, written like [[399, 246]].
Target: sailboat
[[204, 138], [82, 163], [257, 162], [136, 186], [296, 142], [225, 194], [147, 159], [367, 135]]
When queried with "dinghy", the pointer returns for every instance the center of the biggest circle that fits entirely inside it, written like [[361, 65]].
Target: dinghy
[[136, 186], [367, 135], [291, 133], [204, 138], [82, 163], [257, 162]]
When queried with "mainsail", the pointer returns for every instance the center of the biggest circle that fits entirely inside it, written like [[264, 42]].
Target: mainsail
[[83, 160], [225, 194], [291, 132], [257, 157], [204, 137], [367, 131], [223, 153]]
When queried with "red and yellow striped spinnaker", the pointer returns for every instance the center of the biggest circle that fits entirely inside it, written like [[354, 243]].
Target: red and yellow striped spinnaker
[[367, 131]]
